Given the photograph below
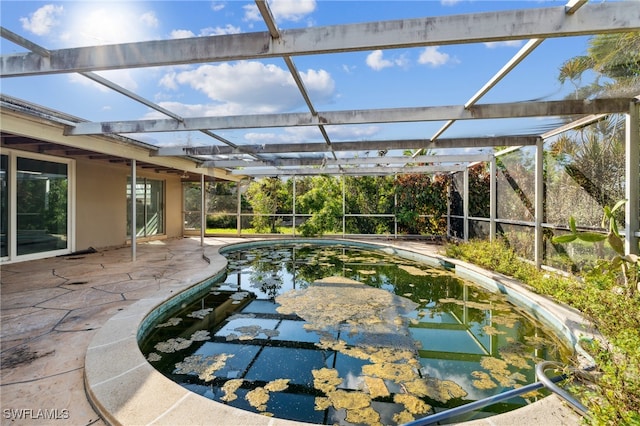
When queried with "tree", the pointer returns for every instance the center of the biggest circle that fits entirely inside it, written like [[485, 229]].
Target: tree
[[323, 201], [421, 195], [266, 196], [615, 59], [369, 195]]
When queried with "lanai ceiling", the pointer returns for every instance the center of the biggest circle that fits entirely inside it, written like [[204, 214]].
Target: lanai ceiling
[[219, 143]]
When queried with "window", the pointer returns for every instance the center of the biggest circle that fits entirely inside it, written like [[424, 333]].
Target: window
[[149, 196]]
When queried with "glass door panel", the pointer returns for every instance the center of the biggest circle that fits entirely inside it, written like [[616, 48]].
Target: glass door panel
[[41, 206], [4, 205]]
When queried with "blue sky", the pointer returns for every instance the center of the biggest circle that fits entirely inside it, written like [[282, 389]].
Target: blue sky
[[443, 75]]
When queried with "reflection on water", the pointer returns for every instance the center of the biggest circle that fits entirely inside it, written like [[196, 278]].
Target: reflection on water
[[339, 335]]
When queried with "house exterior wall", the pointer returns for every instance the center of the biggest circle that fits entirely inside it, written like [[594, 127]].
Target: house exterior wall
[[173, 207], [101, 204]]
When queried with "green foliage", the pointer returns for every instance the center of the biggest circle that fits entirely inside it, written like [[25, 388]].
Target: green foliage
[[421, 195], [324, 201], [615, 58], [224, 221], [266, 196], [615, 398], [368, 195], [627, 263]]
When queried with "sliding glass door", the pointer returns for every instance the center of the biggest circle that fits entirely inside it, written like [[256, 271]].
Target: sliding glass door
[[149, 196], [4, 205], [42, 207], [35, 205]]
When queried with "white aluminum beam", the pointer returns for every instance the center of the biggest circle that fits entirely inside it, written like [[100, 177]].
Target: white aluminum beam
[[584, 121], [431, 31], [431, 159], [352, 146], [387, 115], [351, 171]]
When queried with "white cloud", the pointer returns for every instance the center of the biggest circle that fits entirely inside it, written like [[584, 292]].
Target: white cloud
[[42, 20], [449, 2], [168, 81], [149, 19], [251, 13], [217, 6], [509, 43], [227, 29], [377, 62], [181, 34], [250, 87], [318, 83], [282, 10], [433, 57], [291, 10]]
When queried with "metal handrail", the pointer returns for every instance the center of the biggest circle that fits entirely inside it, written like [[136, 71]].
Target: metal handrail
[[549, 384], [543, 381]]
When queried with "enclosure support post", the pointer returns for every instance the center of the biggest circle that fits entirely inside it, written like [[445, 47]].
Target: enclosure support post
[[539, 203], [134, 226], [203, 206], [293, 196], [492, 198], [632, 173], [449, 204], [344, 207], [238, 208], [465, 204], [395, 207]]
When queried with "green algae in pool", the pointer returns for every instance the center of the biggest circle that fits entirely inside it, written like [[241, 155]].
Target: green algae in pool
[[342, 335]]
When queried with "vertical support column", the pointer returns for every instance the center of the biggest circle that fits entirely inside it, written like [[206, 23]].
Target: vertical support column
[[344, 206], [465, 204], [539, 203], [203, 207], [395, 206], [239, 208], [294, 206], [493, 197], [632, 173], [449, 181], [134, 225]]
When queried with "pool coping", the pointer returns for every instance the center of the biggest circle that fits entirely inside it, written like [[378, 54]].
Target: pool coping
[[125, 389]]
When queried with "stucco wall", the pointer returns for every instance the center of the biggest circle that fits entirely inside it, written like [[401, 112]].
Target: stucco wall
[[101, 204], [173, 206]]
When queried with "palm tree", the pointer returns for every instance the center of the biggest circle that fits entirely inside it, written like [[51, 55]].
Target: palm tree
[[615, 58]]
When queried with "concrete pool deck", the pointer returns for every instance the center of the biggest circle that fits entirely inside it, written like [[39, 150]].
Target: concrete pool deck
[[69, 330]]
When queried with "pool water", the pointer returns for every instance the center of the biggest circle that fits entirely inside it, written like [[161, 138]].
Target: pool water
[[333, 334]]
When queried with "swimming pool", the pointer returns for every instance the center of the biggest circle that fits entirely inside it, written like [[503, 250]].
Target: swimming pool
[[334, 333]]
